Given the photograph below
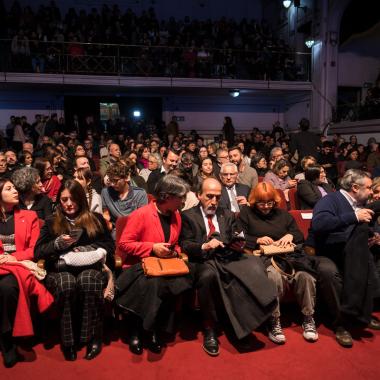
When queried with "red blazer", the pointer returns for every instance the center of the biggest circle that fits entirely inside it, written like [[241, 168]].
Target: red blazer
[[142, 230], [27, 230]]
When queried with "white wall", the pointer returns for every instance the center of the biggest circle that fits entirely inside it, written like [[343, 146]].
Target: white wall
[[295, 112]]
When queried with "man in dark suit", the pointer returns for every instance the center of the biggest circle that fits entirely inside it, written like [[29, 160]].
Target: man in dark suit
[[306, 143], [234, 195], [170, 161], [225, 279], [339, 233]]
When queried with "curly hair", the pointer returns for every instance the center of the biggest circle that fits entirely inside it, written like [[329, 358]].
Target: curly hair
[[119, 169], [25, 178]]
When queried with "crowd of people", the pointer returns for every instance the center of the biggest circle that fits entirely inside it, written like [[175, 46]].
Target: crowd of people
[[47, 41], [62, 199]]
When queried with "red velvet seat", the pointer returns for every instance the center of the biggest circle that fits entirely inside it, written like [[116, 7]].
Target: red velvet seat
[[303, 220], [293, 199]]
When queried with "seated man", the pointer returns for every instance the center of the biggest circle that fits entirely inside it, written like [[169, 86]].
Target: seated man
[[223, 275], [234, 195], [339, 233], [113, 156], [120, 198]]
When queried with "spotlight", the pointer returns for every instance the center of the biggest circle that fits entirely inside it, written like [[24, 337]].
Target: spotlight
[[136, 113], [235, 93], [309, 43], [287, 3]]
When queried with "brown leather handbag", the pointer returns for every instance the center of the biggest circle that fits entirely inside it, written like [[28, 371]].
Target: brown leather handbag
[[159, 267]]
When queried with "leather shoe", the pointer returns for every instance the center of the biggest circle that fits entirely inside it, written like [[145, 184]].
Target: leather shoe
[[210, 342], [69, 353], [135, 345], [11, 357], [154, 345], [343, 337], [93, 349], [374, 324]]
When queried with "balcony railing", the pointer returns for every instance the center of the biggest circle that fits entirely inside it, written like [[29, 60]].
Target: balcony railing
[[156, 61]]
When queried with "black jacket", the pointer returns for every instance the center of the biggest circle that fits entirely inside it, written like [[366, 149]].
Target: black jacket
[[308, 193]]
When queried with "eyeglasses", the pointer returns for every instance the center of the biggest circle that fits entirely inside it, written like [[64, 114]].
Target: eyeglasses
[[266, 204], [114, 180]]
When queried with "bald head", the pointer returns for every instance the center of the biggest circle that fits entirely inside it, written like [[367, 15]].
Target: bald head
[[209, 195]]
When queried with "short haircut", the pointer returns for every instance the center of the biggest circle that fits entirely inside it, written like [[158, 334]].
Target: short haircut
[[274, 150], [313, 172], [353, 176], [166, 153], [119, 169], [226, 165], [76, 158], [25, 178], [235, 147], [170, 185], [221, 150], [157, 157], [263, 192]]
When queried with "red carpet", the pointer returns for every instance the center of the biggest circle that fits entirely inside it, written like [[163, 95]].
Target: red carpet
[[182, 359]]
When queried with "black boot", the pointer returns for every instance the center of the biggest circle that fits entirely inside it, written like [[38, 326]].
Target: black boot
[[135, 336], [94, 347], [70, 353], [154, 344], [9, 350]]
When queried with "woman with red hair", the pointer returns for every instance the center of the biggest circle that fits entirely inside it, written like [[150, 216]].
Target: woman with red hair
[[263, 224]]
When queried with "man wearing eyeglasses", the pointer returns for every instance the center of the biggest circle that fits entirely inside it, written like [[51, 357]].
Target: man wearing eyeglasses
[[227, 281], [339, 233], [234, 195]]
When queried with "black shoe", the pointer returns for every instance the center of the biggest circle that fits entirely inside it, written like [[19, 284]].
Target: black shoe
[[210, 342], [93, 349], [154, 345], [343, 337], [374, 324], [135, 345], [69, 353], [11, 357]]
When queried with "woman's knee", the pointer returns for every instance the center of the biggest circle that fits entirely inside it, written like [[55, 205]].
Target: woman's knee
[[9, 286], [90, 280]]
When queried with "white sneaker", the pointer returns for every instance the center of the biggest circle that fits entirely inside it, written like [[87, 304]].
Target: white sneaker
[[309, 329], [275, 333]]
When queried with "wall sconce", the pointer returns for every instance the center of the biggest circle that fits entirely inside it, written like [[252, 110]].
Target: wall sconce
[[287, 3], [309, 42], [333, 38]]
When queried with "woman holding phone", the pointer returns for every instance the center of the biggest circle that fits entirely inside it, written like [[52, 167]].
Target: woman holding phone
[[76, 244]]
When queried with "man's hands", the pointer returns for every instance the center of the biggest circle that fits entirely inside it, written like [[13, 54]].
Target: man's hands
[[364, 215], [212, 244]]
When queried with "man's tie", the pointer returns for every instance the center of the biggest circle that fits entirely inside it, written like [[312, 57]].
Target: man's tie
[[234, 204], [211, 226]]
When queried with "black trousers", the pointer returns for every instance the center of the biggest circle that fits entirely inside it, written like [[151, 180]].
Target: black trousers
[[9, 292], [206, 283], [81, 293]]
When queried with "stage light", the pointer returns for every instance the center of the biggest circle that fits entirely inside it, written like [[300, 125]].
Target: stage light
[[309, 43], [136, 113], [287, 3], [235, 93]]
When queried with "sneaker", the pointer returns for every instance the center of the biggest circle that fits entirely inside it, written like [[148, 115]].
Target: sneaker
[[309, 329], [275, 333]]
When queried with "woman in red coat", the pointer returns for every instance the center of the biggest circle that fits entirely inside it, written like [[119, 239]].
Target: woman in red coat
[[152, 230], [16, 282], [50, 181]]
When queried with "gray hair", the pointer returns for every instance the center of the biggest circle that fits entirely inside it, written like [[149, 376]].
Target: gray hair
[[25, 178], [226, 165], [274, 150], [170, 185], [157, 156], [352, 176]]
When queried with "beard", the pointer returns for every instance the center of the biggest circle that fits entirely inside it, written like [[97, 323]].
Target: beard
[[210, 211]]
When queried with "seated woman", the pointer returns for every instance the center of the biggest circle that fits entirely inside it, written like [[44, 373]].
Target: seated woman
[[305, 163], [263, 224], [25, 158], [315, 186], [17, 283], [205, 170], [29, 186], [50, 182], [259, 162], [279, 177], [84, 177], [75, 243], [152, 230], [352, 160]]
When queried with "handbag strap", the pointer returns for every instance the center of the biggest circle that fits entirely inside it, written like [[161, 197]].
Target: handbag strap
[[278, 269]]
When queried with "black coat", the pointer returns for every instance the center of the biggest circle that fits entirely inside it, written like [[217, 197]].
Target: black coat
[[241, 190], [45, 249], [42, 206], [308, 193], [246, 293], [306, 143]]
